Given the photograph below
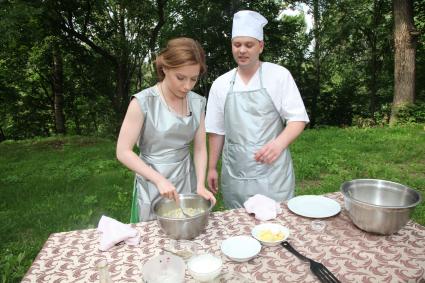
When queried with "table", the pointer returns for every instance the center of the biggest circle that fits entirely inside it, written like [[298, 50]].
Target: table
[[351, 254]]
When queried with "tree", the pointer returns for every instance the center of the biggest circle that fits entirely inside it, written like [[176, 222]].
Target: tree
[[25, 100], [123, 32], [317, 15], [404, 58], [57, 89]]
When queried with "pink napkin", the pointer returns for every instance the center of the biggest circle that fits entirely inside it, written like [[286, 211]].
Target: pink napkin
[[114, 232], [263, 207]]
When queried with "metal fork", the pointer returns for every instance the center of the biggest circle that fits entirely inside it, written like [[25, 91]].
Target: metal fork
[[317, 268]]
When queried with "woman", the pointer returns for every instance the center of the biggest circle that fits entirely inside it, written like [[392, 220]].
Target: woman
[[164, 120]]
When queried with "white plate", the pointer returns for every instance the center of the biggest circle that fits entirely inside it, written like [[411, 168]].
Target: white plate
[[314, 206], [240, 248]]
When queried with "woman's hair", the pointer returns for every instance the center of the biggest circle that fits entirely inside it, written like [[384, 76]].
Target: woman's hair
[[180, 52]]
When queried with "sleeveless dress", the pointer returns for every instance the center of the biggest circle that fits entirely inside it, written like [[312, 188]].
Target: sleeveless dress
[[164, 145]]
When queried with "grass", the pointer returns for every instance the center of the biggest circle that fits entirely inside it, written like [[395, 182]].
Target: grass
[[66, 183]]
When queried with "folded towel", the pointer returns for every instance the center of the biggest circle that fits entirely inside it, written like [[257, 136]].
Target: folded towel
[[263, 207], [114, 232]]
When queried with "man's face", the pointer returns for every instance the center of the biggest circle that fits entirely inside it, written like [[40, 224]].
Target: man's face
[[246, 51]]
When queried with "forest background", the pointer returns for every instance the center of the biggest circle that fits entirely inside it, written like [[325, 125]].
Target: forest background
[[70, 67]]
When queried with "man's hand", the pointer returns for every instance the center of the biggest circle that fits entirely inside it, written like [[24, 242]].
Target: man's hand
[[269, 152], [212, 180]]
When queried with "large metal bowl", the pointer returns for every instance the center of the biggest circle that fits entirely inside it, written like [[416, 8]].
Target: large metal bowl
[[379, 206], [182, 228]]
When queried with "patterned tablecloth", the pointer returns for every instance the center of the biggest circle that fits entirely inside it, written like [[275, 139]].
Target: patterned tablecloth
[[351, 254]]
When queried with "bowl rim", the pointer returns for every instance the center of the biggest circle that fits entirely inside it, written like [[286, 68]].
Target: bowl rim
[[190, 261], [249, 238], [282, 228], [186, 195], [193, 247], [178, 259], [344, 190]]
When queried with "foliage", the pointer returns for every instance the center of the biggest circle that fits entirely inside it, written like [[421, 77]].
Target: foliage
[[419, 19], [108, 50], [414, 113], [57, 184], [12, 266], [24, 107]]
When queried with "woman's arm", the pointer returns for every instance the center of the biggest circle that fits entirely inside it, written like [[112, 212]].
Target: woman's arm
[[129, 133], [200, 160]]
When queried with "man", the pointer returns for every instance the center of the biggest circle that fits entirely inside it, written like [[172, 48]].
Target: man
[[254, 113]]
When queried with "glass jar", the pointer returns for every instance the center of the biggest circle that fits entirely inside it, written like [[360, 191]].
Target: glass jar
[[102, 268]]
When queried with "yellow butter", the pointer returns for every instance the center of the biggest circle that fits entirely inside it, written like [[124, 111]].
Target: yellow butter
[[269, 236]]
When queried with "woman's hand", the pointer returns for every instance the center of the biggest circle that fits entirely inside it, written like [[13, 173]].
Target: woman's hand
[[206, 194], [167, 189]]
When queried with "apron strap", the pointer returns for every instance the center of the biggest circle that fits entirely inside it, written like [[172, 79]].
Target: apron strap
[[134, 216], [232, 81], [261, 75]]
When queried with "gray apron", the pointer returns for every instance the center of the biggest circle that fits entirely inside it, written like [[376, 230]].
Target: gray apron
[[251, 121], [164, 145]]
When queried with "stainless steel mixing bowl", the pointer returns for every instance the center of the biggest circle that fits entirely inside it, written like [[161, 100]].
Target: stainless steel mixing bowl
[[182, 228], [379, 206]]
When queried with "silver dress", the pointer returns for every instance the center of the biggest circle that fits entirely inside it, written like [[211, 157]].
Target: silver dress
[[164, 144]]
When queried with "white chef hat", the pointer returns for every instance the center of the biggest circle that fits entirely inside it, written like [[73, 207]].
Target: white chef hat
[[248, 23]]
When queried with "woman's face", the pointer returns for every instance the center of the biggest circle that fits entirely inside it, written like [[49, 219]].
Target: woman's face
[[181, 80], [246, 51]]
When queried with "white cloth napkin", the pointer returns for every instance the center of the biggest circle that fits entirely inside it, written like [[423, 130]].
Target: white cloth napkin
[[263, 207], [114, 232]]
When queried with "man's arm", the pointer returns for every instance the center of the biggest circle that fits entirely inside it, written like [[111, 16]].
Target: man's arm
[[215, 147], [273, 149]]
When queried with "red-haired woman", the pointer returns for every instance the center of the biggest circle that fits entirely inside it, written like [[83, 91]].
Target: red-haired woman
[[164, 120]]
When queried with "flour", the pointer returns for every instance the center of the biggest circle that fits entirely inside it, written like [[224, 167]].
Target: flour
[[167, 276], [204, 263]]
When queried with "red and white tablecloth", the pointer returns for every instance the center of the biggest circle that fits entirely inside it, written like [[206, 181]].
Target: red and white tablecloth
[[351, 254]]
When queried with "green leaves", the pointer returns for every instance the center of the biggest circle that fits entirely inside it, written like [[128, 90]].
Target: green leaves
[[12, 265], [108, 48]]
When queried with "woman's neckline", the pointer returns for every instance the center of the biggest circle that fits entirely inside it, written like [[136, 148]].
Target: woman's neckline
[[170, 109]]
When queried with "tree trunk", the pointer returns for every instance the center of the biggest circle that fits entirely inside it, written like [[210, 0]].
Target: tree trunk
[[316, 88], [374, 59], [122, 90], [404, 56], [373, 78], [57, 87], [77, 123], [2, 135]]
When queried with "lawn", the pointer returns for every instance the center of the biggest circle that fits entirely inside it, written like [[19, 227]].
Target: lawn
[[66, 183]]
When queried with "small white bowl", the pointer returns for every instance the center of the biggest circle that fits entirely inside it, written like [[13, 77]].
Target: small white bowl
[[240, 248], [164, 268], [273, 229], [204, 267]]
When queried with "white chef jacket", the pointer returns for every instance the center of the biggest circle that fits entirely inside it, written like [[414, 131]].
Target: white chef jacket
[[279, 84]]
